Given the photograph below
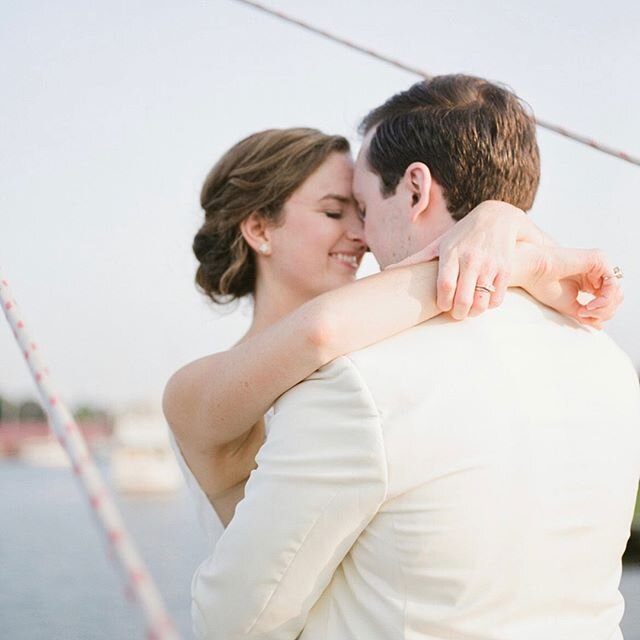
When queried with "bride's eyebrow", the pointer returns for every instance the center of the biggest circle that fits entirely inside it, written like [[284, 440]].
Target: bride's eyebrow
[[338, 198]]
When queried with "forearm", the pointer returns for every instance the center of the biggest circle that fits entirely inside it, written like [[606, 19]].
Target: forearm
[[374, 308], [214, 402], [231, 391], [219, 398], [522, 265], [531, 262]]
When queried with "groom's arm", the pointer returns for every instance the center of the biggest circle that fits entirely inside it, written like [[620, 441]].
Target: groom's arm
[[321, 478]]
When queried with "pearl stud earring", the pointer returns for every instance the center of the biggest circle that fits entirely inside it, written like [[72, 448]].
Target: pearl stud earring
[[264, 248]]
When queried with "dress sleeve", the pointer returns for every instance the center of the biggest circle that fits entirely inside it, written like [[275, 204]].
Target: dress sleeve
[[321, 478]]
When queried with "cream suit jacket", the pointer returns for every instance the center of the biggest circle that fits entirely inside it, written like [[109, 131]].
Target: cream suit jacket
[[471, 480]]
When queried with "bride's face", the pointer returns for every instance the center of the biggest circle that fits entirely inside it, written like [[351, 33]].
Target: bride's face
[[320, 243]]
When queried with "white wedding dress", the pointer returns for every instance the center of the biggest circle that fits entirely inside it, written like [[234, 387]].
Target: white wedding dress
[[207, 517], [209, 520]]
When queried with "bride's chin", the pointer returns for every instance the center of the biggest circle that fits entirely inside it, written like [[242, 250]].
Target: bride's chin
[[344, 278]]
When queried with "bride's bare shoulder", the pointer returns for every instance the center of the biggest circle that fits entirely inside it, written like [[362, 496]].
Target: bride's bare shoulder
[[187, 392]]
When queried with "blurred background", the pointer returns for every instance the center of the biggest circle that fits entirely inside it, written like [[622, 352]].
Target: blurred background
[[112, 114]]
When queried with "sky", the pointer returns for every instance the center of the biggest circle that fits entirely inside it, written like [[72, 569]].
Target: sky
[[113, 113]]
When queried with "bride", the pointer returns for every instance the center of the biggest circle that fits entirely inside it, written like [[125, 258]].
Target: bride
[[281, 226]]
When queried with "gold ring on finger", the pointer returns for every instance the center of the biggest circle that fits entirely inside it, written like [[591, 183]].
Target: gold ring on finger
[[485, 288], [617, 273]]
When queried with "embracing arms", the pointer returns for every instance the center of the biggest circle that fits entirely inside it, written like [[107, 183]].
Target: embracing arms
[[215, 404]]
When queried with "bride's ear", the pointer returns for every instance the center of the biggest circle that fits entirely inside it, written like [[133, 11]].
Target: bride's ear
[[418, 181], [255, 230]]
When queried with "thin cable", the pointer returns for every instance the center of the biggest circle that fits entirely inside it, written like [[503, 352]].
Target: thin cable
[[140, 585], [598, 146]]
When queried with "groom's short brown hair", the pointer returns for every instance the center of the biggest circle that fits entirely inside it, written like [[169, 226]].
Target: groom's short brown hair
[[477, 138]]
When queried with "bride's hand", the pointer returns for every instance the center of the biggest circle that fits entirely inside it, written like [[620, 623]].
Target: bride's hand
[[555, 276], [478, 250]]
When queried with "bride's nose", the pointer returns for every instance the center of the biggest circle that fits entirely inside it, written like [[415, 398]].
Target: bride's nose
[[355, 230], [357, 235]]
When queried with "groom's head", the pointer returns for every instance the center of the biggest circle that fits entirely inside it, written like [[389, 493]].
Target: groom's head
[[433, 152]]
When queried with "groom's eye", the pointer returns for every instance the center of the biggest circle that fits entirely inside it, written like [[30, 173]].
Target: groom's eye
[[336, 215]]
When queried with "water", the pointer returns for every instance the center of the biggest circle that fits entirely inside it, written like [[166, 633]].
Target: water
[[56, 581]]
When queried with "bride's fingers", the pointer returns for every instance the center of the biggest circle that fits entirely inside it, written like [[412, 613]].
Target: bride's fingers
[[610, 291], [482, 298], [561, 262], [592, 320], [501, 283], [607, 311], [602, 308], [465, 290], [600, 267], [603, 314], [448, 272], [480, 303]]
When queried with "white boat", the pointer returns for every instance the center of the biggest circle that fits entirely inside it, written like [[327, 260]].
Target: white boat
[[142, 460], [43, 451]]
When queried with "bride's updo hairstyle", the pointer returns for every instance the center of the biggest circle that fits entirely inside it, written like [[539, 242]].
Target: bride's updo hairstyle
[[258, 174]]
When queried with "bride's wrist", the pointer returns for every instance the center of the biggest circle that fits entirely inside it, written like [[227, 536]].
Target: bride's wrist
[[525, 266], [528, 231]]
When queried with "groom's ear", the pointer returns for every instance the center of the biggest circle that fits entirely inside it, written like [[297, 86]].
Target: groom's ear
[[417, 179]]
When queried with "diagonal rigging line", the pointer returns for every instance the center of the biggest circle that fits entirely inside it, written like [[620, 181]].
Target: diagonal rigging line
[[598, 146], [140, 584]]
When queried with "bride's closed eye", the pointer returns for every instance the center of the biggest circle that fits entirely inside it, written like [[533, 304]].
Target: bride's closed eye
[[336, 215]]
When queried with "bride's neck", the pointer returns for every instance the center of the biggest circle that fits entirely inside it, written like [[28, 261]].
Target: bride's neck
[[270, 305]]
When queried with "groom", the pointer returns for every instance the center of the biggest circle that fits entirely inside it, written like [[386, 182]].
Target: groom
[[459, 480]]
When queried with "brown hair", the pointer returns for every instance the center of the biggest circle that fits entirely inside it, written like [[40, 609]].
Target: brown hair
[[477, 138], [258, 174]]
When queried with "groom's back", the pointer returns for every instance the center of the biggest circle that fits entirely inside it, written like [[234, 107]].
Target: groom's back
[[513, 453]]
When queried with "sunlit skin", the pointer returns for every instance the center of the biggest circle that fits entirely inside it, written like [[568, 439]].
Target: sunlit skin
[[401, 224], [308, 309], [317, 246]]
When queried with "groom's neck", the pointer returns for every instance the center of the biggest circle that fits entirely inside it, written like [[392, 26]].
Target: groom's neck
[[426, 229]]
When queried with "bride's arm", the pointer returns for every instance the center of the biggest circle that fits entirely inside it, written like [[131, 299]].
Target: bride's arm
[[215, 404]]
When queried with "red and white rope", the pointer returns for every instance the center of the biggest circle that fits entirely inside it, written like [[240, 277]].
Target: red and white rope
[[594, 144], [140, 585]]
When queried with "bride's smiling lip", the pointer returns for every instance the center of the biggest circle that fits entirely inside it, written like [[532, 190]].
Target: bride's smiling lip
[[350, 259]]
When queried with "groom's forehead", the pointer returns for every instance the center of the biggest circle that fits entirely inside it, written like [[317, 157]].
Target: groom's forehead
[[358, 172], [366, 142], [361, 165]]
